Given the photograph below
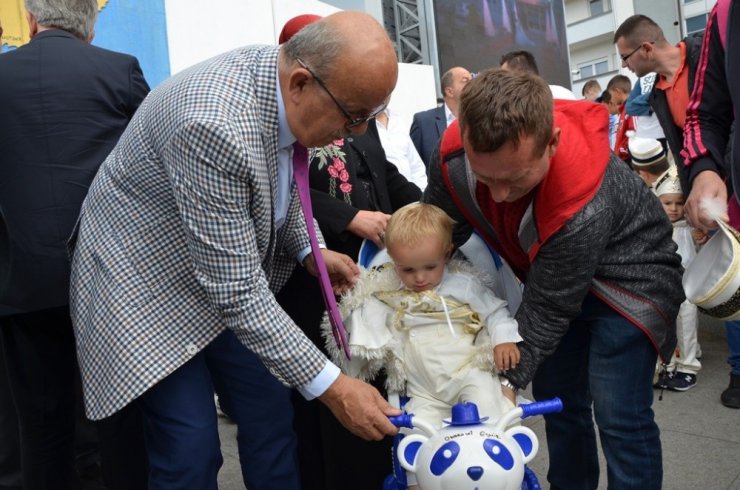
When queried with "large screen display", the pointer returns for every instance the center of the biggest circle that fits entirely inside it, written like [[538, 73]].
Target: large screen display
[[475, 33]]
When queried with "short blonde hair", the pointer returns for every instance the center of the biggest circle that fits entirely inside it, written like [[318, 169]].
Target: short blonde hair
[[417, 222]]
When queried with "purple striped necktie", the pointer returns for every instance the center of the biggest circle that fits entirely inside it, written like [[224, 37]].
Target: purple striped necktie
[[300, 173]]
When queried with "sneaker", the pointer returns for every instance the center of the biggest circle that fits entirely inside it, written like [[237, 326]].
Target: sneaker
[[731, 396], [682, 381], [664, 379]]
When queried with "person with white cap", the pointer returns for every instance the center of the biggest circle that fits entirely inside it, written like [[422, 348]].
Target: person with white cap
[[649, 157], [680, 373]]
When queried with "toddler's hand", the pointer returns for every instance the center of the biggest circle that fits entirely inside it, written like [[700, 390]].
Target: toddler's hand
[[506, 356], [700, 238]]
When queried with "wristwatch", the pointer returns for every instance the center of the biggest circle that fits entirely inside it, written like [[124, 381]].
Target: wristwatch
[[505, 382]]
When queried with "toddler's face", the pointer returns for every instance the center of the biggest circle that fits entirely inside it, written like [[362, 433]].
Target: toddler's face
[[673, 206], [420, 266]]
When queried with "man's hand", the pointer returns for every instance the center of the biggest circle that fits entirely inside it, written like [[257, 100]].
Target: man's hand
[[707, 185], [343, 271], [360, 408], [370, 225]]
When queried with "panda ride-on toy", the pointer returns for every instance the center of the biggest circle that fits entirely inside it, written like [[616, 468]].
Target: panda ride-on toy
[[469, 452]]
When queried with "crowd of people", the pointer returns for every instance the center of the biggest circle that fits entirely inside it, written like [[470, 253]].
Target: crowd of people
[[159, 247]]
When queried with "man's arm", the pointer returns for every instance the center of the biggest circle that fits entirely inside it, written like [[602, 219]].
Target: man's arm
[[706, 130], [417, 136], [436, 193], [556, 286], [211, 173], [139, 87]]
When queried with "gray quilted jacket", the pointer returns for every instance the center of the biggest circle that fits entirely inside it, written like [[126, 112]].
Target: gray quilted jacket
[[618, 247]]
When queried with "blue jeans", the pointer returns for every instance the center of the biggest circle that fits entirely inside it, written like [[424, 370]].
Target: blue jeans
[[607, 363], [181, 426], [733, 345]]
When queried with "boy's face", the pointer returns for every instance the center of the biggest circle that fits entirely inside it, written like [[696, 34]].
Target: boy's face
[[673, 206], [592, 94], [420, 266]]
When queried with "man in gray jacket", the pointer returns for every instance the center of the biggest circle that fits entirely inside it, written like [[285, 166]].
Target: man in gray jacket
[[594, 250]]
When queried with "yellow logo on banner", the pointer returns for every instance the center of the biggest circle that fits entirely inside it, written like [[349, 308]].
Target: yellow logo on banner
[[13, 20]]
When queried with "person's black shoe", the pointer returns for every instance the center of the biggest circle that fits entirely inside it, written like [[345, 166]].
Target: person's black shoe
[[731, 396], [682, 381]]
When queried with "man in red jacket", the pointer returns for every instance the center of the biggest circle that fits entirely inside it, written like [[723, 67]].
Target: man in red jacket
[[594, 250]]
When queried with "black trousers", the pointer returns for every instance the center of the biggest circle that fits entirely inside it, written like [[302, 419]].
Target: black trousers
[[39, 353], [10, 456], [330, 457], [38, 350]]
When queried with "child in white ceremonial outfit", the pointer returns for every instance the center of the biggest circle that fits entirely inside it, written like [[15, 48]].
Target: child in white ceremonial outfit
[[430, 322], [680, 374]]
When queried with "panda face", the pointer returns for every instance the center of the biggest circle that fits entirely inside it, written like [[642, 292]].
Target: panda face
[[469, 457], [470, 463]]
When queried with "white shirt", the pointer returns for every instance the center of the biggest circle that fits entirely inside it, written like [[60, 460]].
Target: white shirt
[[400, 150], [449, 115], [330, 372]]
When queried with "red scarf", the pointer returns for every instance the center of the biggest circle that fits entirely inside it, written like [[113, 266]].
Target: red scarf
[[573, 179]]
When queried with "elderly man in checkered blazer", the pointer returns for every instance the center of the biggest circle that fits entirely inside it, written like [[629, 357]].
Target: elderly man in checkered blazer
[[189, 228]]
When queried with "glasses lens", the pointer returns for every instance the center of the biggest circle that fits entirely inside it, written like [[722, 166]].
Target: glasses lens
[[362, 120]]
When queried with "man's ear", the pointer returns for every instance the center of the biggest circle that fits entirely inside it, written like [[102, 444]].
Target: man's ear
[[297, 83], [552, 146], [90, 38], [33, 26]]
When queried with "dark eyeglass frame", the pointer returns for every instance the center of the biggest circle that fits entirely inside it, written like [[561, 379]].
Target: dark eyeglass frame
[[352, 122], [625, 57]]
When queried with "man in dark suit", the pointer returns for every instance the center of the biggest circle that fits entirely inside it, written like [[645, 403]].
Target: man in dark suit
[[64, 105], [428, 126]]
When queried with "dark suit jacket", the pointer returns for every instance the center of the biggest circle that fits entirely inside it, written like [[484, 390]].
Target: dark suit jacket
[[334, 213], [426, 130], [301, 296], [63, 106], [301, 299]]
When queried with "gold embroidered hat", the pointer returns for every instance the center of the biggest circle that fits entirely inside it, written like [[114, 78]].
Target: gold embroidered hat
[[712, 280], [667, 183]]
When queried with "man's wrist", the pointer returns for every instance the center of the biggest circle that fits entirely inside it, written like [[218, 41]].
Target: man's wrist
[[508, 384]]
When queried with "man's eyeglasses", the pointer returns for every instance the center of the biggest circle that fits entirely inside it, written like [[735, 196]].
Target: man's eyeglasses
[[352, 122], [625, 57]]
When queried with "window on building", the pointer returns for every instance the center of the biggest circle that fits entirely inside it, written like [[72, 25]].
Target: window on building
[[593, 68], [598, 7], [696, 24], [690, 1]]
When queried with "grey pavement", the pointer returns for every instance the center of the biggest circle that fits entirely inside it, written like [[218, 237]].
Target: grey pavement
[[701, 438]]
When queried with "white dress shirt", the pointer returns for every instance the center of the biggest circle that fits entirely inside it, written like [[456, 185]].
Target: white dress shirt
[[400, 150]]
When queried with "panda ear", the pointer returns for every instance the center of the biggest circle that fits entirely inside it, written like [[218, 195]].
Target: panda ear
[[408, 449], [526, 440]]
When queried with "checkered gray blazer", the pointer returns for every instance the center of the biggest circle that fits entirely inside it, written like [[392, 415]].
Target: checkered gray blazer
[[176, 239]]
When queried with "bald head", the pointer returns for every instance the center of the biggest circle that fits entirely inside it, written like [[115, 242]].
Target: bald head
[[367, 61], [352, 55], [452, 84]]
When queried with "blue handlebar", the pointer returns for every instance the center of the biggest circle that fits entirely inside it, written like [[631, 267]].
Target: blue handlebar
[[404, 420], [539, 408]]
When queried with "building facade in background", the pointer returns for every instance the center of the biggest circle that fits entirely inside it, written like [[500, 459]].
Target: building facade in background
[[591, 25]]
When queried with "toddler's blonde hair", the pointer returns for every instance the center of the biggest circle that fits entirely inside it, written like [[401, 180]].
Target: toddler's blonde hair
[[417, 222]]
